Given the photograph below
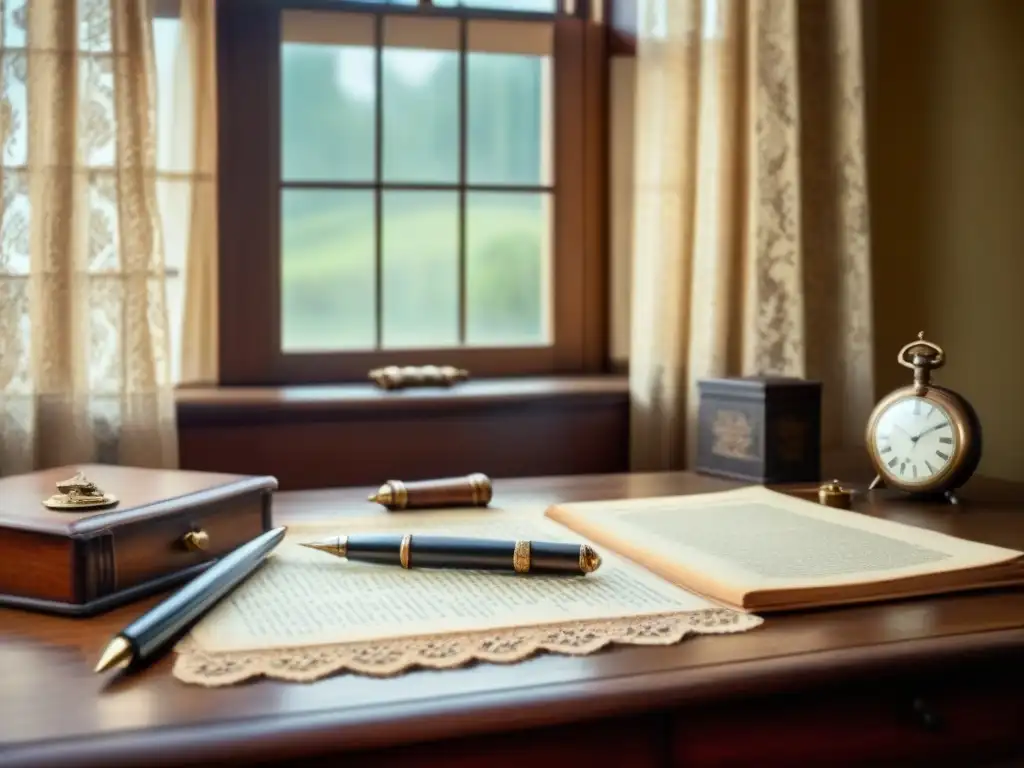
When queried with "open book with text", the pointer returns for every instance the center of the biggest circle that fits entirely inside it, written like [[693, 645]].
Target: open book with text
[[761, 550]]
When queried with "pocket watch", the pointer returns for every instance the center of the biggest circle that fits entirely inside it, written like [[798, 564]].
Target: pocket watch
[[923, 439]]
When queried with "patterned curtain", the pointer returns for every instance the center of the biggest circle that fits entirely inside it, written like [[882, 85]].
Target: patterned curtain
[[84, 348], [190, 186], [750, 243]]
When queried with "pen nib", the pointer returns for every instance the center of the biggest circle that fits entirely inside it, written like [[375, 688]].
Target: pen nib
[[337, 547], [117, 654]]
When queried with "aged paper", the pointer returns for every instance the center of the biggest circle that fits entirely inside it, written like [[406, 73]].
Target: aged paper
[[734, 543], [303, 598]]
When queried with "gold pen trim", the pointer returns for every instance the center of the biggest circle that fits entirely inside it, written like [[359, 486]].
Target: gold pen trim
[[400, 494], [521, 557], [480, 485], [403, 551], [590, 561]]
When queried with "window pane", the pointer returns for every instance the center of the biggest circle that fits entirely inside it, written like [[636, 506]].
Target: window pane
[[421, 269], [508, 236], [328, 270], [327, 112], [421, 115], [506, 121]]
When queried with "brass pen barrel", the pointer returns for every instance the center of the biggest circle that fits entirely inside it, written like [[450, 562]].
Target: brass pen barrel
[[472, 490], [407, 551]]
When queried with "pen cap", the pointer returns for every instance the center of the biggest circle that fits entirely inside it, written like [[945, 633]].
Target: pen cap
[[468, 491]]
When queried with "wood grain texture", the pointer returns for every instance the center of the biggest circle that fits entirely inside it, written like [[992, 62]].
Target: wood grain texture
[[81, 562], [320, 437], [854, 672]]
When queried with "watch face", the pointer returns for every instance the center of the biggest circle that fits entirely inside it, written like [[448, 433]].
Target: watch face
[[916, 440]]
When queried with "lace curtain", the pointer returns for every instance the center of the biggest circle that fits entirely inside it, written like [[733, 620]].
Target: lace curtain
[[750, 243], [189, 188], [85, 369]]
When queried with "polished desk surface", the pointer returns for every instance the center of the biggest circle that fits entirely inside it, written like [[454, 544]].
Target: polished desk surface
[[53, 709]]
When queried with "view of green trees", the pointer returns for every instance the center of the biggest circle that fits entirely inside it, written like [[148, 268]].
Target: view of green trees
[[329, 235]]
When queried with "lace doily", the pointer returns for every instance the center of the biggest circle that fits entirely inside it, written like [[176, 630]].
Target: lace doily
[[393, 657]]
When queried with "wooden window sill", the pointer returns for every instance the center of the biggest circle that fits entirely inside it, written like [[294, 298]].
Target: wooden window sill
[[357, 434], [267, 404]]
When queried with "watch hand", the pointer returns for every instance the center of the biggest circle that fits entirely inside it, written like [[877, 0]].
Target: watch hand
[[930, 429]]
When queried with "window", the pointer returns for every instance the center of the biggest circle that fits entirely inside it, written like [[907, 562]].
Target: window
[[407, 187]]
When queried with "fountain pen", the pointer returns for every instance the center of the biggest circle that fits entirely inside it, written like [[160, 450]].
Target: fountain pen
[[418, 551], [152, 631]]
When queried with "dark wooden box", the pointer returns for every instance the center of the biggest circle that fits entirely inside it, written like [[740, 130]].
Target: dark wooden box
[[84, 563], [764, 430]]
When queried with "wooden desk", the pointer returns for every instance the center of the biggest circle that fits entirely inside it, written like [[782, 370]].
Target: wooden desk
[[937, 679]]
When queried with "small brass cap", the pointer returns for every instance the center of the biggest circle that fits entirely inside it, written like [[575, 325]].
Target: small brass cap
[[590, 561], [392, 495], [382, 496], [833, 494]]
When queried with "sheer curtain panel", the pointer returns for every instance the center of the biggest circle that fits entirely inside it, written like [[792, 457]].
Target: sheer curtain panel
[[85, 369], [750, 246]]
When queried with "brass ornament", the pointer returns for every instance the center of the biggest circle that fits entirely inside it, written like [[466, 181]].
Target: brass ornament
[[79, 494], [401, 377], [834, 495], [961, 446]]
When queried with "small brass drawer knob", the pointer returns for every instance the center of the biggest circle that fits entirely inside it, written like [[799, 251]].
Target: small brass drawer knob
[[196, 541]]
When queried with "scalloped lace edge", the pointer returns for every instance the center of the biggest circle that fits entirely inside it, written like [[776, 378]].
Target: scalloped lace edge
[[387, 658]]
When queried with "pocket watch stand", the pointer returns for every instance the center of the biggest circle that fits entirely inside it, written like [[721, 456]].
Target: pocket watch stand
[[923, 439]]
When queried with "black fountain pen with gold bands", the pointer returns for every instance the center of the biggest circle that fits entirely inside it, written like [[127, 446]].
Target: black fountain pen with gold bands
[[540, 557]]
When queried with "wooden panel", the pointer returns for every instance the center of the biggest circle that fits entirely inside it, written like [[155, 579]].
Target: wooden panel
[[153, 548], [359, 436], [248, 158], [503, 442], [47, 572], [895, 724], [621, 743]]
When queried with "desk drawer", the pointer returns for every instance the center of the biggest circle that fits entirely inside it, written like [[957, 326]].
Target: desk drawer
[[905, 725]]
